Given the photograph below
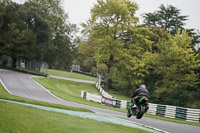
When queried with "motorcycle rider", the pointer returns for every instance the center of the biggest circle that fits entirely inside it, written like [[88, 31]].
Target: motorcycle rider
[[137, 94]]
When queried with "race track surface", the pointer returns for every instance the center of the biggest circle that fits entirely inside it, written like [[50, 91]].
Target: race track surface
[[22, 85]]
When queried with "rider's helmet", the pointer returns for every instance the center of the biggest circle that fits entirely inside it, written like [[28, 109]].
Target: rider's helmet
[[142, 86]]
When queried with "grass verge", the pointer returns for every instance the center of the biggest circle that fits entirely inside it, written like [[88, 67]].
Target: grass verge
[[70, 75], [16, 118], [71, 91]]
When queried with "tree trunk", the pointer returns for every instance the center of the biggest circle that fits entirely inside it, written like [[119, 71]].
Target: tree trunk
[[108, 83], [4, 61], [108, 80], [14, 63]]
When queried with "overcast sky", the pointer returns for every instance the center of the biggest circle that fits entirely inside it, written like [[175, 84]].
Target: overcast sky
[[79, 10]]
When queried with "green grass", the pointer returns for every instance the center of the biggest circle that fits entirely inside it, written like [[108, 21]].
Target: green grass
[[16, 118], [83, 77], [71, 91], [70, 75], [117, 95], [5, 95]]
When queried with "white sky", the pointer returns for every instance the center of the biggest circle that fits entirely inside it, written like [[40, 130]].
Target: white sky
[[79, 10]]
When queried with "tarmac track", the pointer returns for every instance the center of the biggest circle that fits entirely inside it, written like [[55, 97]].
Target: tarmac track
[[22, 85]]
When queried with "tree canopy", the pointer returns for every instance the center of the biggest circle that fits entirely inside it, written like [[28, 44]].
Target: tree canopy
[[170, 19], [37, 30], [158, 54]]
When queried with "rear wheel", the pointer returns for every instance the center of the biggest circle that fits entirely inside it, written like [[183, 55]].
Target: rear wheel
[[140, 112]]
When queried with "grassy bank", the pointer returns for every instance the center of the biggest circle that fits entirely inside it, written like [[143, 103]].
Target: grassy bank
[[16, 118], [71, 91], [70, 75]]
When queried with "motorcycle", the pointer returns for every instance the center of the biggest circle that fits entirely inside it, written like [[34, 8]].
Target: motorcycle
[[141, 107]]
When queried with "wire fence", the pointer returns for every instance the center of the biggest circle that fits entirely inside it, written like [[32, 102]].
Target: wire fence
[[33, 65]]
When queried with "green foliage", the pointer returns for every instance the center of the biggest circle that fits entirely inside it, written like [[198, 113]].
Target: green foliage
[[157, 56], [196, 37], [85, 56], [175, 64], [110, 20], [168, 18], [133, 63], [37, 26]]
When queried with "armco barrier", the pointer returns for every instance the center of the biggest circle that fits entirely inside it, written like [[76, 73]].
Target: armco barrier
[[91, 97], [181, 113], [123, 104], [170, 111], [118, 103], [152, 109], [193, 115], [187, 114], [160, 110], [175, 112], [109, 101]]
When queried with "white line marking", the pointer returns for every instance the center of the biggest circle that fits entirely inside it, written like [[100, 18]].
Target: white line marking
[[5, 87]]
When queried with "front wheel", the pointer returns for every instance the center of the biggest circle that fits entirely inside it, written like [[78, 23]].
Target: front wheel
[[140, 112], [129, 113]]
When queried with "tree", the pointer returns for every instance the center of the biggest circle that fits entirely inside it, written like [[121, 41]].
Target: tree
[[2, 13], [175, 64], [16, 39], [110, 19], [168, 18], [85, 56], [54, 34], [196, 38], [133, 65], [36, 20]]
